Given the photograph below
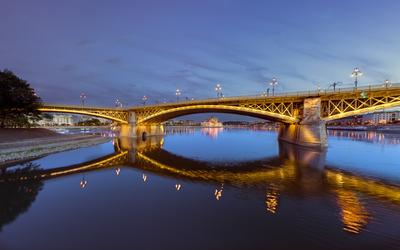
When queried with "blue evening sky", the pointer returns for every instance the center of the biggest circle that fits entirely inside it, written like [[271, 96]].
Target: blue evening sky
[[127, 49]]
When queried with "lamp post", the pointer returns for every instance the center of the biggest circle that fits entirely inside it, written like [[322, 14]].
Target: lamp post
[[177, 93], [334, 84], [218, 89], [356, 73], [273, 83], [118, 103], [387, 83], [144, 99], [83, 98]]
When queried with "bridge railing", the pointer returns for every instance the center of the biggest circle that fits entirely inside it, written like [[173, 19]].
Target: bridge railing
[[294, 94], [318, 92]]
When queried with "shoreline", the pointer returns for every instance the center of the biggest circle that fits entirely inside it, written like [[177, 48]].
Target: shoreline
[[31, 146], [369, 129]]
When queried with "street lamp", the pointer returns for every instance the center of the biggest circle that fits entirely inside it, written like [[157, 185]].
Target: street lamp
[[356, 73], [118, 103], [144, 99], [334, 84], [218, 89], [273, 83], [177, 93], [83, 98], [387, 83]]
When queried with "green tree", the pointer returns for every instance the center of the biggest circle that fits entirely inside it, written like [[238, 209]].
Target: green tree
[[18, 101]]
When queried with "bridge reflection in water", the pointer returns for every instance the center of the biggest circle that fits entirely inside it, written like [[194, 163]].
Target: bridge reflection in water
[[295, 170]]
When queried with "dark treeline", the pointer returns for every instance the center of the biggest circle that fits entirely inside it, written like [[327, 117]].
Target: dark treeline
[[18, 101]]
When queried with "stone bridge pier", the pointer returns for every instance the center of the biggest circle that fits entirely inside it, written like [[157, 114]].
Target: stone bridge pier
[[310, 131], [133, 129]]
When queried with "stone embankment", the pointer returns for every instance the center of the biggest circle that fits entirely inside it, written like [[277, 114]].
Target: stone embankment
[[23, 145]]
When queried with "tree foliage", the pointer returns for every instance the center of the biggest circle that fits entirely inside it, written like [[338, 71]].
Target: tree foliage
[[91, 122], [18, 101]]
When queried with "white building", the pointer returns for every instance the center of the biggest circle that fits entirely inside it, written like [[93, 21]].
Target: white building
[[58, 120], [383, 117]]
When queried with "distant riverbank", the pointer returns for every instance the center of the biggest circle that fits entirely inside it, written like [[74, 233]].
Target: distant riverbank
[[24, 144], [382, 129]]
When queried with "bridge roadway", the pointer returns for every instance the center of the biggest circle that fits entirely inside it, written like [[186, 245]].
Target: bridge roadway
[[302, 115]]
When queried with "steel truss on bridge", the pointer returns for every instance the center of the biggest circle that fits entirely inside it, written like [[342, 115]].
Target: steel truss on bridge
[[287, 108], [359, 103], [118, 115]]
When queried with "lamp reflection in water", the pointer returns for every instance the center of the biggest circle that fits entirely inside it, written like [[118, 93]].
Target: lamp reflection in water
[[83, 182], [178, 187], [353, 213], [218, 192], [271, 200], [144, 177]]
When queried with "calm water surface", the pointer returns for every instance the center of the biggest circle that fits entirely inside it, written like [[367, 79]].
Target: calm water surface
[[207, 189]]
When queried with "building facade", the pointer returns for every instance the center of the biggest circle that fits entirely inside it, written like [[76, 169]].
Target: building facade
[[211, 122], [57, 120], [384, 117]]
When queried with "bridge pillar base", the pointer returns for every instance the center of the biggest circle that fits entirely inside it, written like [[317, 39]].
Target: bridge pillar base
[[149, 130], [308, 135], [131, 130]]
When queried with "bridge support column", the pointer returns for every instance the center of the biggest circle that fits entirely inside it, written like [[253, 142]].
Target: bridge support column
[[310, 131], [132, 129], [129, 130]]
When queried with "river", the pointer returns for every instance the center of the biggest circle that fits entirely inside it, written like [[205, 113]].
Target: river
[[207, 189]]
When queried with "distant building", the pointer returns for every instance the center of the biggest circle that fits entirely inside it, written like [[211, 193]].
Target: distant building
[[181, 123], [211, 122], [377, 118], [383, 117], [63, 120], [57, 120]]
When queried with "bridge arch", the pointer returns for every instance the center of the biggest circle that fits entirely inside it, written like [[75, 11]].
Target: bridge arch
[[117, 116], [167, 114]]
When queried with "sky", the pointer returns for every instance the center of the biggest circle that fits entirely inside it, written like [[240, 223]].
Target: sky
[[127, 49]]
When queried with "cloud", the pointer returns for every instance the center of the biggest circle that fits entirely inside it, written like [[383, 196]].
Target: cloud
[[85, 43], [114, 61], [68, 68]]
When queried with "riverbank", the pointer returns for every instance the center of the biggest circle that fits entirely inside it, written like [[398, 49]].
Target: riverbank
[[23, 144], [381, 129]]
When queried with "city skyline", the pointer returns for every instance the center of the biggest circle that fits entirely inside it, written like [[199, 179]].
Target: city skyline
[[124, 50]]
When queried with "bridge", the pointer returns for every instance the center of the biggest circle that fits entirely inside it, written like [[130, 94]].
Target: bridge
[[302, 115]]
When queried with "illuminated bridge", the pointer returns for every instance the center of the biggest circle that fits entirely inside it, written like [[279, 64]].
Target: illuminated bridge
[[302, 114]]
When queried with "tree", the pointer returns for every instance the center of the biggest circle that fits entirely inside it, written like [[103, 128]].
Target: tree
[[18, 101], [91, 122]]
